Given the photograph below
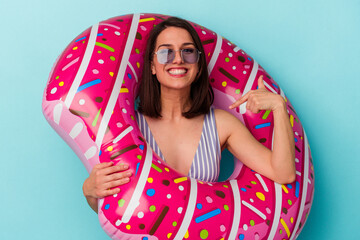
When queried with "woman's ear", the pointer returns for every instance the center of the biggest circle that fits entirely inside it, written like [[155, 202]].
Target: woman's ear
[[153, 71]]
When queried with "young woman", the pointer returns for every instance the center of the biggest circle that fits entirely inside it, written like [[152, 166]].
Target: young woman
[[177, 120]]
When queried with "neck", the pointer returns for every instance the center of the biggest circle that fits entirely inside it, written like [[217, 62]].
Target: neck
[[174, 103]]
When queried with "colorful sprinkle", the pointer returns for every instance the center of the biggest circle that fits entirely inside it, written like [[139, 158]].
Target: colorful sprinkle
[[262, 125], [137, 168], [70, 64], [96, 118], [209, 199], [156, 168], [150, 192], [53, 90], [121, 202], [220, 194], [140, 214], [146, 19], [124, 90], [180, 209], [260, 196], [80, 39], [285, 227], [88, 84], [208, 215], [105, 46], [228, 75], [245, 227], [266, 114], [204, 234], [297, 189], [284, 188], [159, 220], [179, 180], [292, 120]]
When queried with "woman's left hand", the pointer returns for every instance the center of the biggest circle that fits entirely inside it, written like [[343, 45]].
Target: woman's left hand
[[260, 99]]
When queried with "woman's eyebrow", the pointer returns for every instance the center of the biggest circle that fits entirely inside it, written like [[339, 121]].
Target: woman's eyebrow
[[170, 45], [188, 43], [164, 45]]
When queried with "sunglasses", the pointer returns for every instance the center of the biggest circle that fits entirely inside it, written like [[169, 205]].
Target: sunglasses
[[188, 55]]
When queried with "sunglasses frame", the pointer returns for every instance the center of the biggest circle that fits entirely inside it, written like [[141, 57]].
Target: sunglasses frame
[[181, 54]]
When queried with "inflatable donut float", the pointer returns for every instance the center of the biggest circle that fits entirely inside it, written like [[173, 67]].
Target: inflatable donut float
[[89, 101]]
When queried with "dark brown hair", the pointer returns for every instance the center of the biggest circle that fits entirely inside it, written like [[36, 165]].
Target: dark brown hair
[[201, 93]]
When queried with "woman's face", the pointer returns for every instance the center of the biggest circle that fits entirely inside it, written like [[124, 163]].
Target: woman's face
[[176, 74]]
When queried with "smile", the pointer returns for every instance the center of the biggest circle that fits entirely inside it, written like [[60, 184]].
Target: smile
[[177, 71]]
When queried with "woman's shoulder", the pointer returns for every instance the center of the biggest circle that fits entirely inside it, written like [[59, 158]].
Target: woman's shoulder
[[226, 121], [223, 115]]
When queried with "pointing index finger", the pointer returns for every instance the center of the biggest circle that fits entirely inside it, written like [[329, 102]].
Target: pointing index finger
[[240, 101]]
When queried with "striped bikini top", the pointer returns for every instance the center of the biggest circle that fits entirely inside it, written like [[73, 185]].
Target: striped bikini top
[[206, 163]]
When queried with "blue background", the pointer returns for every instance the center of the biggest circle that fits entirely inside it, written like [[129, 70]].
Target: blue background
[[311, 48]]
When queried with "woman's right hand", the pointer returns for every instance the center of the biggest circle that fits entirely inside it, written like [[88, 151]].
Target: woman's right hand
[[104, 180]]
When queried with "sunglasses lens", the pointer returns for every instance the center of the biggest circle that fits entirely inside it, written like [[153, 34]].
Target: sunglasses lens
[[190, 55], [165, 56]]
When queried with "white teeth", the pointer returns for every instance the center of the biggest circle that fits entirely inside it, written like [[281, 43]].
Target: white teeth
[[177, 71]]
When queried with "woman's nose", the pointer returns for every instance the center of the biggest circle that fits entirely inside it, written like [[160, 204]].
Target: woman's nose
[[178, 58]]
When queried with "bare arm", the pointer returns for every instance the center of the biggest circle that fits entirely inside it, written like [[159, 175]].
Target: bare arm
[[278, 164], [103, 181]]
